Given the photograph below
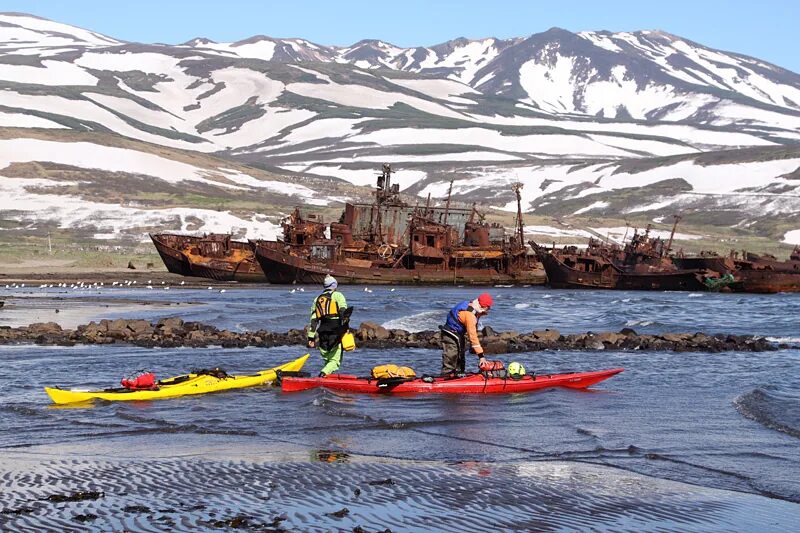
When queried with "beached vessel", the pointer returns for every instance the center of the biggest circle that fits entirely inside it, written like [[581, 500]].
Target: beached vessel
[[214, 256], [641, 264], [752, 272], [390, 242]]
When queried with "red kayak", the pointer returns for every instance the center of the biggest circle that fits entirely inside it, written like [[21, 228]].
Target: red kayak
[[471, 384]]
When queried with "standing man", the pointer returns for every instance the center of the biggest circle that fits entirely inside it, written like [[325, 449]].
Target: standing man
[[329, 321], [462, 326]]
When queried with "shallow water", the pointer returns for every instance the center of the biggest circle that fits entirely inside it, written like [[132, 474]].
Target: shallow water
[[724, 422]]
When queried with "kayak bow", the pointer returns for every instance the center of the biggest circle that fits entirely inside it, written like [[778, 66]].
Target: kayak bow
[[470, 384], [174, 387]]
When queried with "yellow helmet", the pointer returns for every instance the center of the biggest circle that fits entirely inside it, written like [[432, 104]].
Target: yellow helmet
[[516, 369]]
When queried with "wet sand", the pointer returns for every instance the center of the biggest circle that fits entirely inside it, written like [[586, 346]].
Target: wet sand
[[37, 276], [129, 485], [71, 312]]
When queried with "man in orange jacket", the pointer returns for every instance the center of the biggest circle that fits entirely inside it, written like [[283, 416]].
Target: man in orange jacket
[[462, 326]]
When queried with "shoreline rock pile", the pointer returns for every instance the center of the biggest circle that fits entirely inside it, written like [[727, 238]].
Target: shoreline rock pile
[[174, 332]]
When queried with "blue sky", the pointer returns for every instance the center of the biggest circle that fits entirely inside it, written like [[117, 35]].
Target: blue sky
[[764, 29]]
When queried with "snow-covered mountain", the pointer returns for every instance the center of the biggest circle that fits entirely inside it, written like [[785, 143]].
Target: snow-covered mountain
[[582, 119]]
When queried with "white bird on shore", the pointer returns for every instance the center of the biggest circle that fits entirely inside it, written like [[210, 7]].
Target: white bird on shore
[[292, 291], [301, 289], [162, 282], [367, 289], [149, 281], [210, 288], [166, 288], [150, 287], [182, 282], [222, 290], [22, 286], [391, 290]]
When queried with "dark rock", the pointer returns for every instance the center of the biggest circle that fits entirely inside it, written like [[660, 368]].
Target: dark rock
[[136, 509], [676, 337], [172, 322], [39, 328], [398, 334], [495, 346], [75, 496], [140, 327], [341, 513], [388, 481], [488, 331], [628, 332], [610, 338], [370, 331], [548, 335]]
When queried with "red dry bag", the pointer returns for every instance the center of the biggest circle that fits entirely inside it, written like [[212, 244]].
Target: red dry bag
[[144, 381]]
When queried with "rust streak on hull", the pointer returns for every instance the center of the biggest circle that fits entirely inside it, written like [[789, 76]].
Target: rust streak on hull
[[213, 256]]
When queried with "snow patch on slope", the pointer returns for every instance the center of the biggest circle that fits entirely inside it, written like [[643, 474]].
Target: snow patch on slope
[[52, 73], [792, 237], [115, 221]]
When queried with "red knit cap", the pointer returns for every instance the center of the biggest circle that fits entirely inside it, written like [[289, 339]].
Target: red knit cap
[[485, 300]]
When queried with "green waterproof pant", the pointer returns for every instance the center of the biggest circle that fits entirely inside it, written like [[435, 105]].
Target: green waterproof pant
[[332, 358]]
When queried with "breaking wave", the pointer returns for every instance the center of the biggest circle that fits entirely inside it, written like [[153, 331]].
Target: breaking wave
[[427, 320], [785, 340], [775, 410], [643, 323]]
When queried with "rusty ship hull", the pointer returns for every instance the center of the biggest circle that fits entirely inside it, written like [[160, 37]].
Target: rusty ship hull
[[282, 267], [175, 261], [767, 281], [605, 275], [214, 257], [756, 274], [241, 271]]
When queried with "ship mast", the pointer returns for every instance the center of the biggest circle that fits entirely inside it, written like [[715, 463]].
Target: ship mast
[[447, 204], [516, 188], [672, 234], [383, 192]]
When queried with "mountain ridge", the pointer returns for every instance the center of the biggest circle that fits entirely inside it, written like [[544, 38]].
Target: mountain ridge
[[565, 113]]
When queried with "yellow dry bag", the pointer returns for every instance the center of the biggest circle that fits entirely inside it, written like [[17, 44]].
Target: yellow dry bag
[[392, 371], [348, 341]]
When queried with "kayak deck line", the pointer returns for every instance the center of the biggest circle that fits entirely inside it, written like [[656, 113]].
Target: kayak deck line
[[470, 384], [184, 385]]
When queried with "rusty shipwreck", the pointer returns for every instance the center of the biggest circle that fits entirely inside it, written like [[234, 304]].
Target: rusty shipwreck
[[643, 263], [391, 242], [214, 256], [751, 272]]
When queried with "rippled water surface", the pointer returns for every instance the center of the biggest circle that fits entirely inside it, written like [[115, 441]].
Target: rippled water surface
[[709, 422]]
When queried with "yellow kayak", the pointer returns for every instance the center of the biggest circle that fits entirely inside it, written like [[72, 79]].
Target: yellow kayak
[[173, 387]]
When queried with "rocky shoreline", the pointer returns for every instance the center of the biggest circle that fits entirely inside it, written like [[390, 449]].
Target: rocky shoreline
[[174, 332]]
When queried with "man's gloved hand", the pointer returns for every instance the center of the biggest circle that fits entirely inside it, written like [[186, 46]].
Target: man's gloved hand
[[490, 366], [311, 343], [482, 362]]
